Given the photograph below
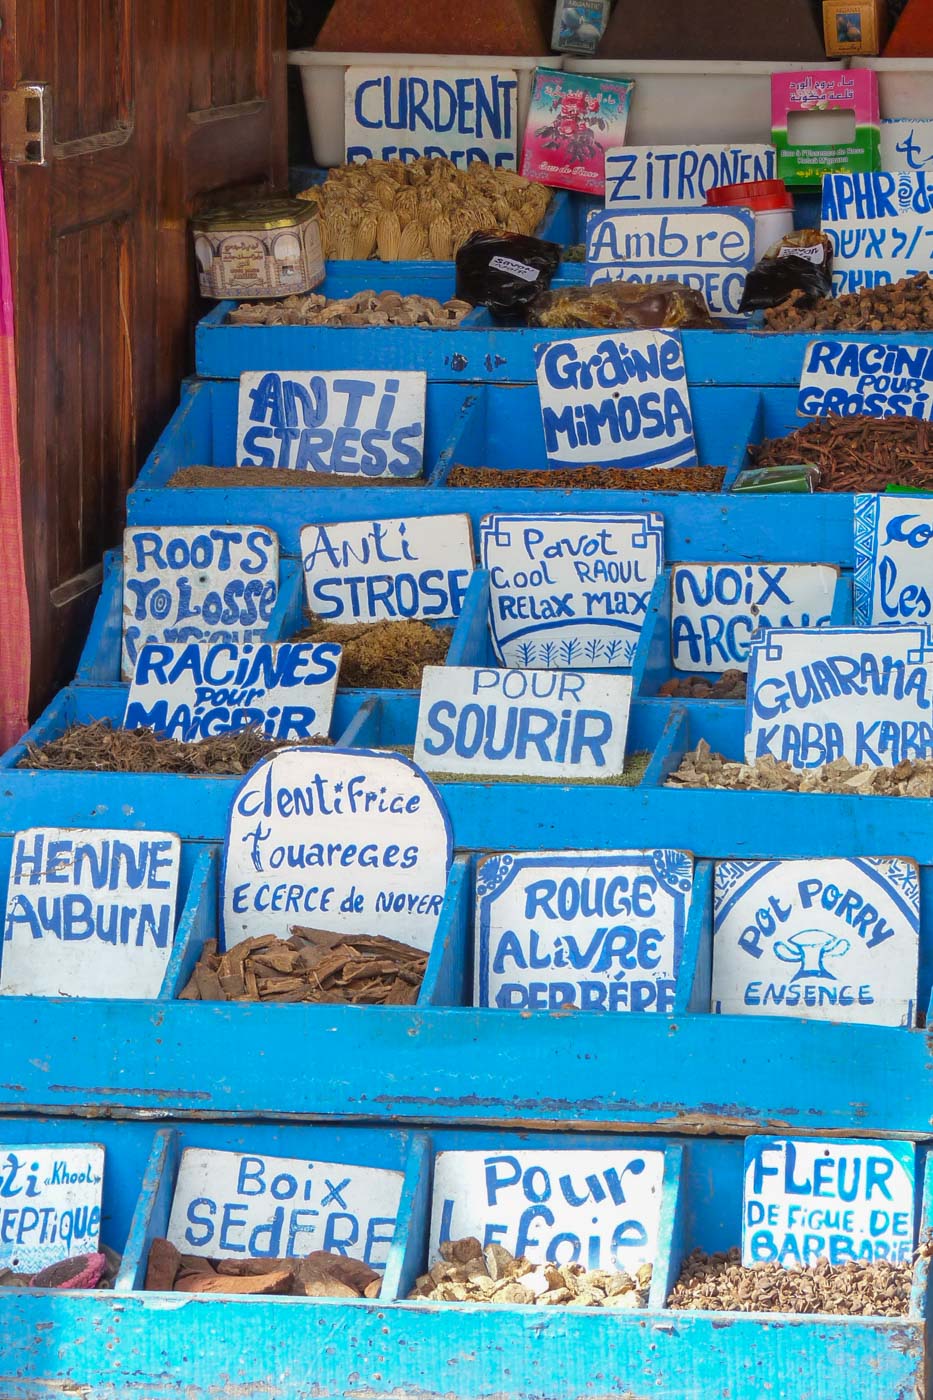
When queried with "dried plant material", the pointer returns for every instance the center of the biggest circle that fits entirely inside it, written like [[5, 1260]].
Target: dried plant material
[[720, 1282], [622, 306], [388, 655], [731, 685], [906, 305], [439, 237], [226, 477], [316, 1275], [88, 1271], [466, 1273], [593, 478], [101, 747], [702, 768], [389, 236], [856, 454], [365, 239], [413, 243]]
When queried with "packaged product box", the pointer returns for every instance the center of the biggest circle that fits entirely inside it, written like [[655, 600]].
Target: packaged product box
[[573, 121], [854, 27], [808, 150]]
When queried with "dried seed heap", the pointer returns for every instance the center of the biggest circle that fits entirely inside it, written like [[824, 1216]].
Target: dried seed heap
[[595, 478], [720, 1282], [366, 308], [702, 768], [318, 1275], [389, 655], [101, 747], [903, 306], [83, 1271], [857, 454], [731, 685], [467, 1273]]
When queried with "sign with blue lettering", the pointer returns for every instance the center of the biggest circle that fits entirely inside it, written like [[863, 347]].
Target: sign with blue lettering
[[51, 1203], [716, 609], [617, 400], [570, 590], [807, 1199], [237, 1205], [89, 913], [828, 940], [656, 177], [531, 724], [197, 583], [597, 930], [847, 377], [840, 692], [346, 840], [712, 250], [893, 575], [345, 422], [190, 692], [371, 570], [907, 143], [464, 114], [599, 1208], [879, 225]]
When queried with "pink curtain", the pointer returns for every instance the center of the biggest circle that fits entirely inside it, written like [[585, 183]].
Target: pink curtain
[[14, 607]]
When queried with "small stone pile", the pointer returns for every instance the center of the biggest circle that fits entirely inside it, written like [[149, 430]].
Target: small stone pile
[[468, 1273], [731, 685], [906, 305], [720, 1282], [702, 768], [82, 1271], [317, 1275]]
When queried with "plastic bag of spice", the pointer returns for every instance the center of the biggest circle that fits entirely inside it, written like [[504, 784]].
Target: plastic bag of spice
[[801, 262], [622, 306], [505, 271]]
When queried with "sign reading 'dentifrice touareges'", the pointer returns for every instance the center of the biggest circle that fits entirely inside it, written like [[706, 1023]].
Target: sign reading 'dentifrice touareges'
[[340, 422], [806, 1199], [234, 1205], [863, 694], [829, 940], [879, 225], [847, 377], [679, 176], [197, 583], [616, 400], [89, 913], [372, 570], [598, 930], [465, 114], [893, 575], [597, 1208], [570, 590], [716, 609], [345, 840], [190, 692], [532, 724], [51, 1203]]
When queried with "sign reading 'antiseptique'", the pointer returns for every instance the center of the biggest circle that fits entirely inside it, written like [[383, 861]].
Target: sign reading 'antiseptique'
[[848, 377], [893, 576], [840, 692], [51, 1203], [465, 114], [879, 225], [599, 930], [679, 176], [830, 940]]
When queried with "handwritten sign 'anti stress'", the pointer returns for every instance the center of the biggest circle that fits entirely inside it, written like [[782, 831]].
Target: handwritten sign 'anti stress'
[[663, 176], [842, 692], [880, 226], [848, 377], [840, 1200], [341, 422], [51, 1203], [830, 940], [599, 930], [465, 114], [197, 583], [893, 576], [89, 913], [230, 1205], [616, 400]]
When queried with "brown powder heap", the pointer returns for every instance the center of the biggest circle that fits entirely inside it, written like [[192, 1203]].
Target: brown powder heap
[[731, 685], [101, 747], [720, 1282], [702, 768], [857, 454], [225, 477], [388, 655], [594, 478], [906, 305], [467, 1273], [317, 1275], [445, 26]]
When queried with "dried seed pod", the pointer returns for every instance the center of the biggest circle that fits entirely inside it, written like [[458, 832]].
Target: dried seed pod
[[345, 246], [413, 243], [439, 238], [386, 192], [388, 237], [365, 242]]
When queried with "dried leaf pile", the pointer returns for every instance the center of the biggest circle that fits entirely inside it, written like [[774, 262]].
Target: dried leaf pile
[[101, 747], [594, 478], [467, 1273], [83, 1271], [903, 306], [720, 1282], [389, 655], [857, 454], [702, 768], [367, 308], [317, 1275]]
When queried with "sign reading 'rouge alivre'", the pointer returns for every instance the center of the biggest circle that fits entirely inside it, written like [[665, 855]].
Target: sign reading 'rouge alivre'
[[599, 930], [51, 1203], [465, 114], [840, 692], [197, 583], [233, 1205], [346, 840], [616, 400], [89, 913], [893, 575], [806, 1199], [679, 176], [570, 590], [879, 225], [829, 940], [371, 570], [848, 377], [342, 422]]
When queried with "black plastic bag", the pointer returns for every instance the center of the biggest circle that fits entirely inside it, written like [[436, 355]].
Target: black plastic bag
[[505, 271], [772, 280]]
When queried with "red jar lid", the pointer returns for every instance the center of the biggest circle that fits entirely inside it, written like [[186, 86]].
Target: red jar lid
[[758, 195]]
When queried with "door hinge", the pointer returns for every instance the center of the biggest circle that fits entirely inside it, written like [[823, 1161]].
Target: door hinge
[[25, 123]]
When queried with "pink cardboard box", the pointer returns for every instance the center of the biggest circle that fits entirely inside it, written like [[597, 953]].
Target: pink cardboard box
[[573, 121]]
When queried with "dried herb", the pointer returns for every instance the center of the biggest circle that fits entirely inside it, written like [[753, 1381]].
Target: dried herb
[[903, 306], [468, 1273], [857, 454], [388, 655], [225, 477], [101, 747], [367, 308], [702, 768], [594, 478], [721, 1282]]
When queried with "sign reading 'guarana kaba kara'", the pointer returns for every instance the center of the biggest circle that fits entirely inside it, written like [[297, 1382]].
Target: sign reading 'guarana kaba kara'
[[465, 114], [597, 1208], [197, 583], [190, 692], [89, 913], [532, 724], [343, 840], [373, 570], [598, 930], [235, 1205], [51, 1203], [879, 223], [679, 176], [570, 590], [849, 377], [807, 1199], [828, 940], [893, 575], [616, 400], [343, 422], [840, 692]]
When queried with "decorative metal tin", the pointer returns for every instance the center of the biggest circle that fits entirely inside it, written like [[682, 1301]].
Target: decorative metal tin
[[267, 249]]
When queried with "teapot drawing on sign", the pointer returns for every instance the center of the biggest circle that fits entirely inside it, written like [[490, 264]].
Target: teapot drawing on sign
[[810, 948]]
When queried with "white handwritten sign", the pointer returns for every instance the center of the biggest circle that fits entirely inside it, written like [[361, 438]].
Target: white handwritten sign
[[51, 1203], [807, 1199], [711, 250], [907, 143], [879, 225], [893, 576], [862, 376], [367, 423], [599, 930], [89, 913], [347, 840], [602, 1207], [664, 176], [717, 608], [370, 570], [465, 114], [534, 724], [235, 1205], [840, 692], [570, 590], [616, 400], [197, 583], [829, 940], [285, 689]]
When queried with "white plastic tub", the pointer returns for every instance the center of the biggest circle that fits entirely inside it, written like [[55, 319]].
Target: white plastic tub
[[905, 85]]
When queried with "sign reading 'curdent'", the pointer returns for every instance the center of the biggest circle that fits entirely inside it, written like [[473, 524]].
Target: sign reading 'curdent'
[[464, 114]]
